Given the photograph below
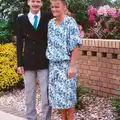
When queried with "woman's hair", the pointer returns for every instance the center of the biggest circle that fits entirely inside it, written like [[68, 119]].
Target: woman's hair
[[63, 1]]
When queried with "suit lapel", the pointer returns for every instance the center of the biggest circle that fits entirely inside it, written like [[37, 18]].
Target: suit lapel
[[41, 20], [29, 24]]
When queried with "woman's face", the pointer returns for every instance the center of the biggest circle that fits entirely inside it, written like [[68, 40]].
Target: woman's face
[[58, 8]]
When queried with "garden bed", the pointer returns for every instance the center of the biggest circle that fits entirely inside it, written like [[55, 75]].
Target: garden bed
[[94, 107]]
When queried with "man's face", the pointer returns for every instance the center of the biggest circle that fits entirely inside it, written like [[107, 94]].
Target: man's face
[[35, 5]]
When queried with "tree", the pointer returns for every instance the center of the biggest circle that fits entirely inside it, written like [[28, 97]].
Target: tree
[[8, 7], [117, 3], [80, 8], [98, 3]]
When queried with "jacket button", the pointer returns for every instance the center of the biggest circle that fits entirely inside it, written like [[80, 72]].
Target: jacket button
[[33, 53], [33, 42], [27, 35]]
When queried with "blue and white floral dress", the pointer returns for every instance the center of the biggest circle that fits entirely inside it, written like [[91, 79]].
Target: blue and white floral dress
[[62, 39]]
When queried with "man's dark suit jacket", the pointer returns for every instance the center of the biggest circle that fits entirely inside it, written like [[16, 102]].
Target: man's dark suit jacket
[[31, 43]]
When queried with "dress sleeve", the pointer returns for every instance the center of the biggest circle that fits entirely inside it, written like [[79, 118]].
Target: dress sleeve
[[74, 35]]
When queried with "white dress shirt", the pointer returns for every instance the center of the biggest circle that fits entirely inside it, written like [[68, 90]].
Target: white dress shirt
[[31, 17]]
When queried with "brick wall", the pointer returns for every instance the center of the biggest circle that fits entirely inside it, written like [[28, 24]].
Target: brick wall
[[99, 66]]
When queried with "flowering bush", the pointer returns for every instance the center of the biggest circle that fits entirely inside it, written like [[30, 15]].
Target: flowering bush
[[104, 22], [8, 75]]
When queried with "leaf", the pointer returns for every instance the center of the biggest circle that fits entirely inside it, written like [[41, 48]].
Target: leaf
[[118, 91], [81, 16]]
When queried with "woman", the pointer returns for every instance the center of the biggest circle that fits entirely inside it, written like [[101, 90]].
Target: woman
[[63, 42]]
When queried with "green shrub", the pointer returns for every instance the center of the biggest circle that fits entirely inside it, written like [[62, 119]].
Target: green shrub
[[80, 91], [116, 104], [5, 34], [8, 75]]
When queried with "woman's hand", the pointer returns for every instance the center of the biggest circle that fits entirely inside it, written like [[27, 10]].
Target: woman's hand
[[72, 67], [71, 71]]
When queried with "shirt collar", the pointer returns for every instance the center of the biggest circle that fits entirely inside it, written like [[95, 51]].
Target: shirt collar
[[31, 15]]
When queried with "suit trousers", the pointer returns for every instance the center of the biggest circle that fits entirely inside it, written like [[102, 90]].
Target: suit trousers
[[30, 77]]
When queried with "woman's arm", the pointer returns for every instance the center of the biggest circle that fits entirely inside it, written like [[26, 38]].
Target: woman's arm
[[74, 56], [74, 44], [72, 66]]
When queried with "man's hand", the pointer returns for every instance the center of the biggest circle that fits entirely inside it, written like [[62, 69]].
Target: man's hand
[[71, 71], [20, 70]]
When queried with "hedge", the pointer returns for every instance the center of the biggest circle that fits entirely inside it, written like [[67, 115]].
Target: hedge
[[8, 74]]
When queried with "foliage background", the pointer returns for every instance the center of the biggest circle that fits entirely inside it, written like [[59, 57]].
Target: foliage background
[[9, 9]]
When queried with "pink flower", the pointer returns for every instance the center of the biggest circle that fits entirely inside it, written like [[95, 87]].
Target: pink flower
[[107, 10], [113, 12], [90, 34], [105, 30], [115, 29], [107, 7], [81, 31], [80, 27], [91, 18], [102, 11], [92, 11], [115, 15], [82, 34]]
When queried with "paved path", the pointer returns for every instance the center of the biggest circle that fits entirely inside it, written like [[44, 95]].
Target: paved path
[[7, 113], [8, 116]]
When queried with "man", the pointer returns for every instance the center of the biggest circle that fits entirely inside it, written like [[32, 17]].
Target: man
[[32, 63]]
